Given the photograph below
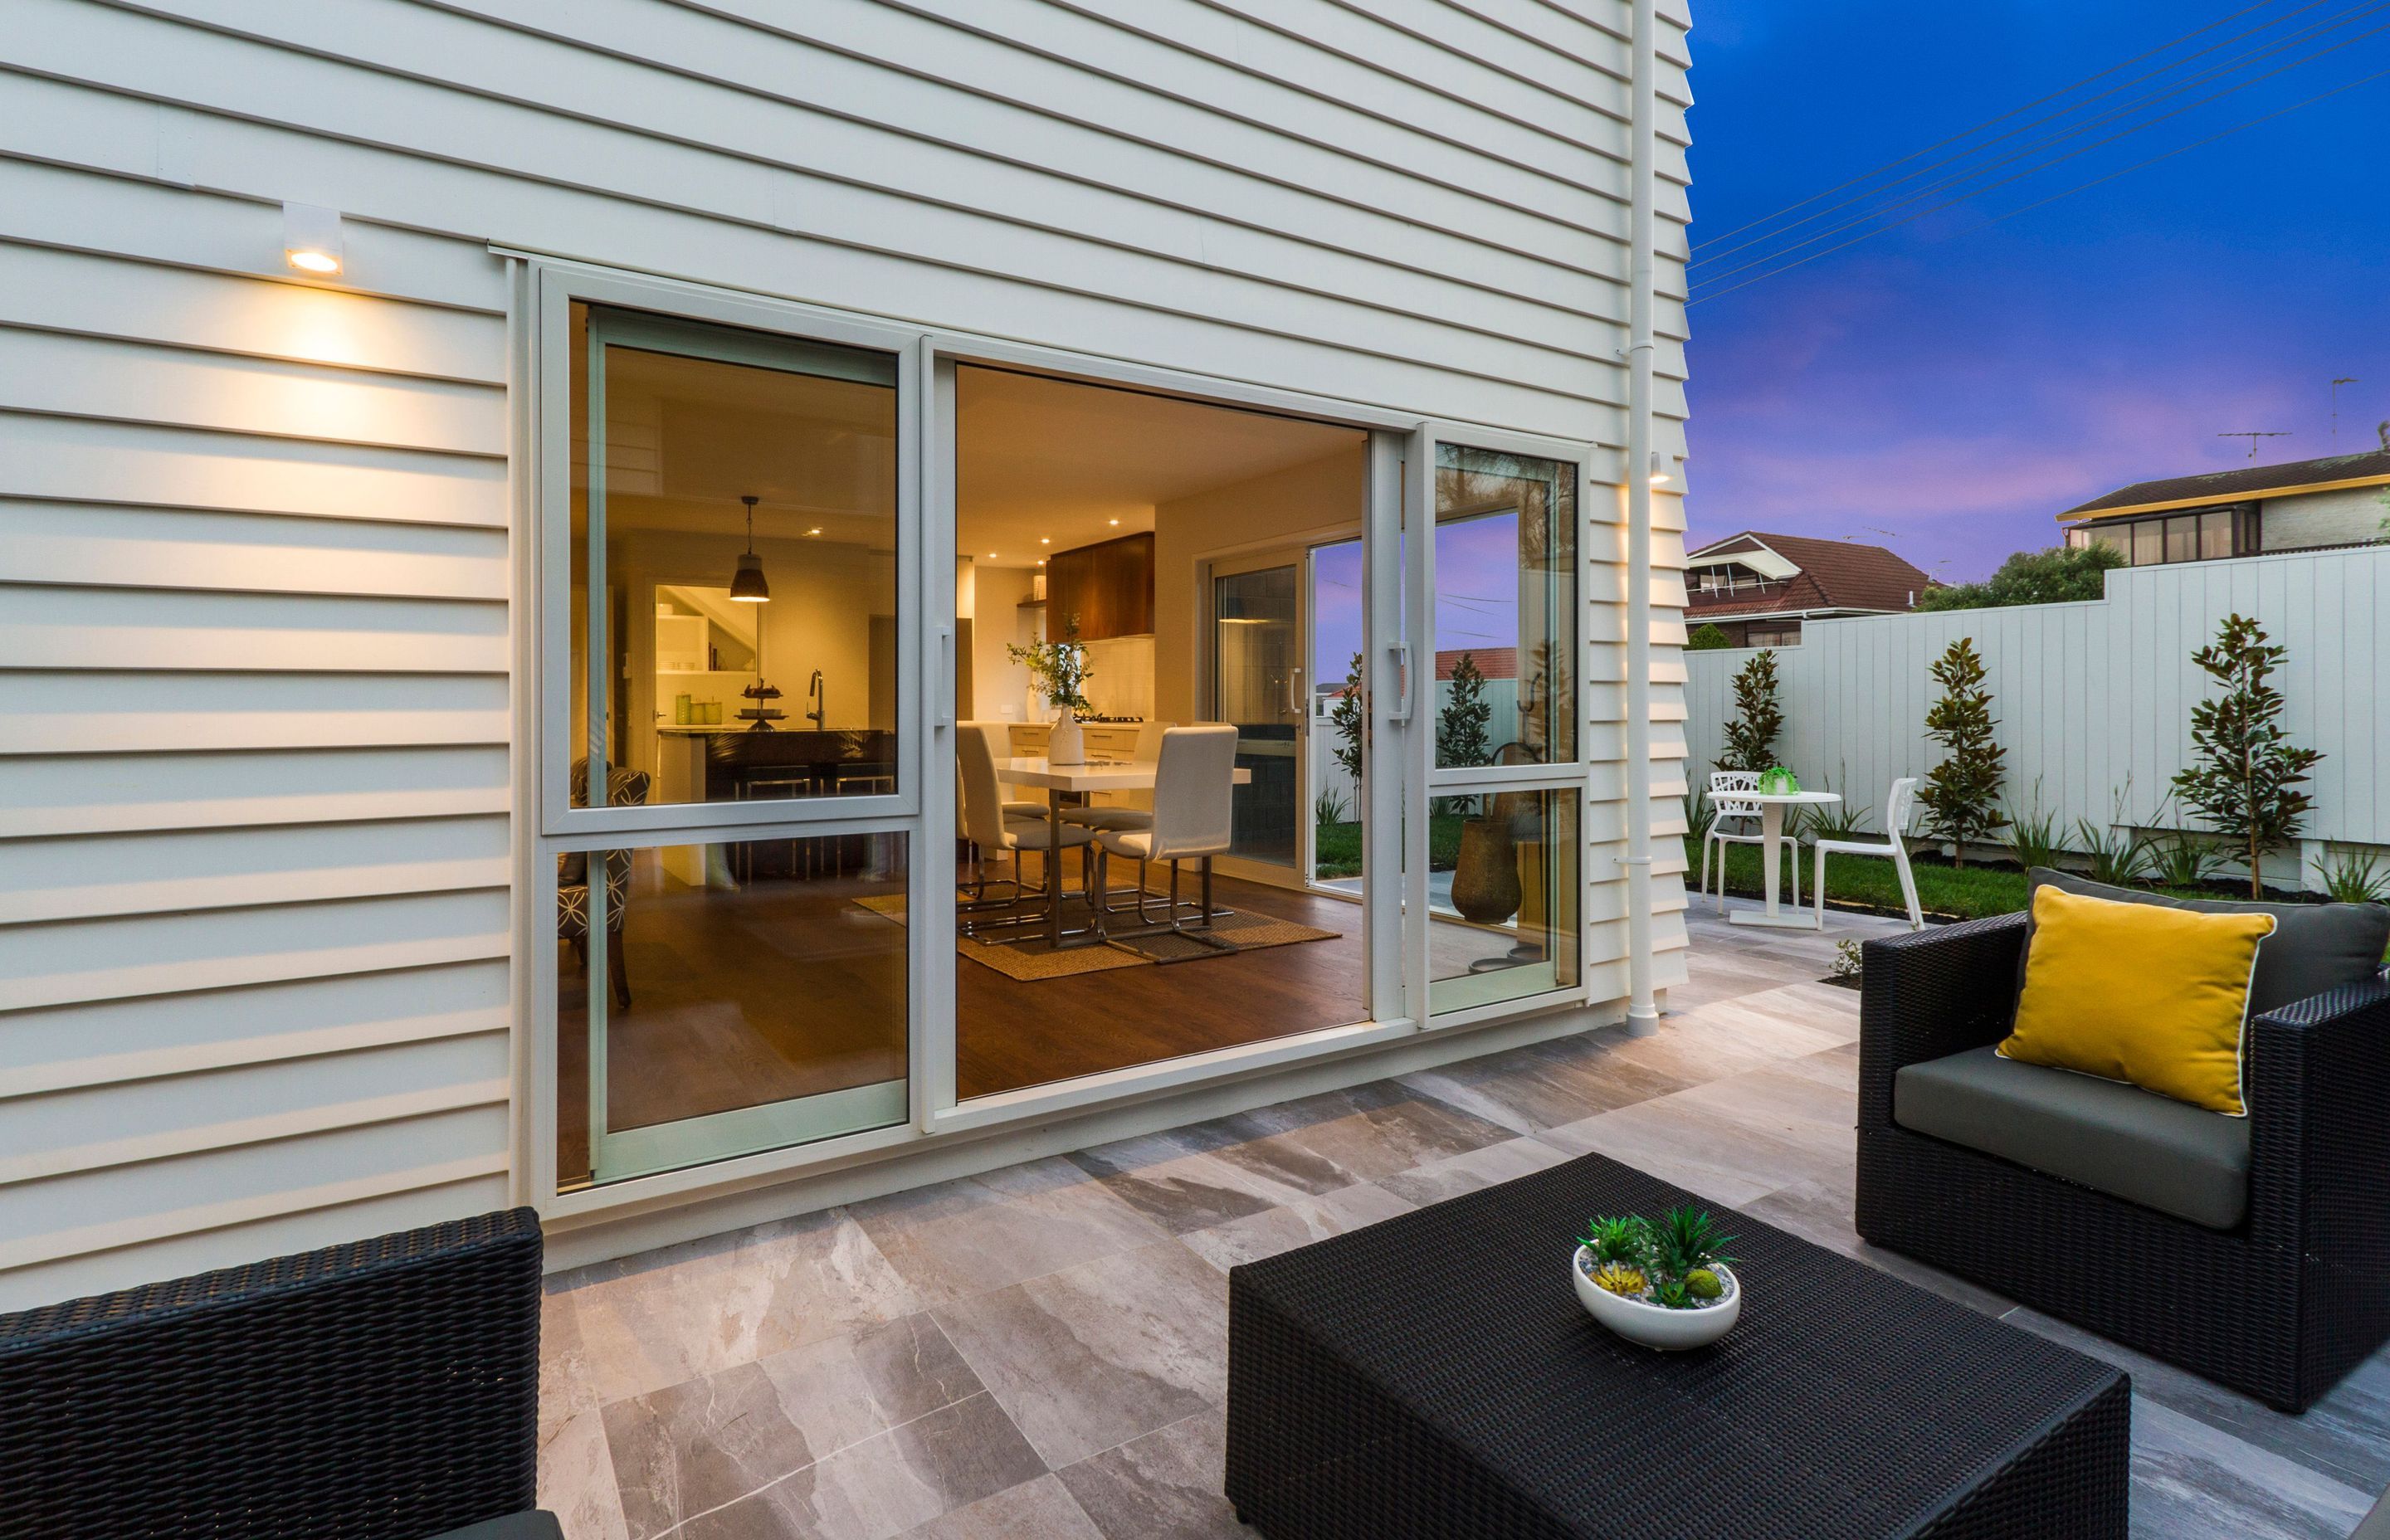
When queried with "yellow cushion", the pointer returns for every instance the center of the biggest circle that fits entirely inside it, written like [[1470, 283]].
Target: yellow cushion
[[2139, 993]]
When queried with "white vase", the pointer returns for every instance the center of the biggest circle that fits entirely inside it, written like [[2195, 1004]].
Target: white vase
[[1067, 744]]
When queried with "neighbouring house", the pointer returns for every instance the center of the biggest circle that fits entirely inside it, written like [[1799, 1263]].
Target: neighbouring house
[[2251, 510], [1759, 588], [514, 519]]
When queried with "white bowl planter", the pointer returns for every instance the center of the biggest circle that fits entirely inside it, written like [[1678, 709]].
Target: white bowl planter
[[1656, 1326]]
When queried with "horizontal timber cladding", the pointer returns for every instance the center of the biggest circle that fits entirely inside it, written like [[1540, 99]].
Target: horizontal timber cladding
[[256, 642]]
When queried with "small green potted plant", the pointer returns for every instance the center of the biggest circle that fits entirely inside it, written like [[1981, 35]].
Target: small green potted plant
[[1665, 1284]]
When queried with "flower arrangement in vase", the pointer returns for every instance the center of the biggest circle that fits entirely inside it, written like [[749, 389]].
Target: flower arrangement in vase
[[1061, 673], [1665, 1284]]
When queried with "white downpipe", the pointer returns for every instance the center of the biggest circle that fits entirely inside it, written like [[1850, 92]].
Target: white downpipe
[[1643, 1013]]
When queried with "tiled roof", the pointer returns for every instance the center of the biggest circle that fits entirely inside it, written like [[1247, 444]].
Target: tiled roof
[[2256, 480], [1835, 574], [1494, 663]]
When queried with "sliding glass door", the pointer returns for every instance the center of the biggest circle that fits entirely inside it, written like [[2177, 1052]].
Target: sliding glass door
[[1492, 842], [731, 782], [1257, 676]]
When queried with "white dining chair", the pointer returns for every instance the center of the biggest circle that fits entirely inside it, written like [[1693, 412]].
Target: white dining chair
[[1725, 804], [1895, 826], [1194, 785], [988, 823], [1121, 815]]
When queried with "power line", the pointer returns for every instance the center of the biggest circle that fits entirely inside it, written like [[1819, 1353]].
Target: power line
[[2082, 186], [1989, 122], [1976, 149], [2357, 13]]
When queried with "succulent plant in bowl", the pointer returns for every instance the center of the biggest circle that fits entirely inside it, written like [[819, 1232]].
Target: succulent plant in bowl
[[1665, 1284]]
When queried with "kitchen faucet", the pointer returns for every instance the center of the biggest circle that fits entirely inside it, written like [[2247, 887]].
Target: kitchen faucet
[[817, 697]]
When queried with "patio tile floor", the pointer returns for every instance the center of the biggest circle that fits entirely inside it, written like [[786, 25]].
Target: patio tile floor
[[1039, 1352]]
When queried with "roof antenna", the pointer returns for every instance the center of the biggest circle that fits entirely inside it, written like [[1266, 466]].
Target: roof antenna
[[2343, 380], [2252, 439]]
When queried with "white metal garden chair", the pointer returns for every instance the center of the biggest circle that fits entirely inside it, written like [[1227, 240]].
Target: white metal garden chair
[[1725, 804], [1895, 826]]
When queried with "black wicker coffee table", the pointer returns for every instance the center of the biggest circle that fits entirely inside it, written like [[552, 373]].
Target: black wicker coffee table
[[1434, 1375]]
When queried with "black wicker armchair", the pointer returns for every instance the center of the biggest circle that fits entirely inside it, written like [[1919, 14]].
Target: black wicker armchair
[[383, 1391], [2280, 1306]]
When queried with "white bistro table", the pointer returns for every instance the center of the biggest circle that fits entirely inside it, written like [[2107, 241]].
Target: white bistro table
[[1061, 780], [1771, 833]]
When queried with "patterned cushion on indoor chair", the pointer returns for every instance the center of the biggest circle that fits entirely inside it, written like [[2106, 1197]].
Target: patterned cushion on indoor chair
[[625, 788]]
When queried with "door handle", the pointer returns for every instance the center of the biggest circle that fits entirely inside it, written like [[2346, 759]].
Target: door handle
[[1402, 712], [946, 677], [1294, 692]]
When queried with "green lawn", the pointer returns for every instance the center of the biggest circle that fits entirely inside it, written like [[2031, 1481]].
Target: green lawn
[[1336, 848], [1969, 892]]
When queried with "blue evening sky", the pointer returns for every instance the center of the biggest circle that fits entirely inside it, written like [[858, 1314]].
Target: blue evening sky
[[1946, 388]]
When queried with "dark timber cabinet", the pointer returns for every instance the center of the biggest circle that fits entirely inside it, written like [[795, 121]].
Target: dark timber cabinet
[[1109, 586]]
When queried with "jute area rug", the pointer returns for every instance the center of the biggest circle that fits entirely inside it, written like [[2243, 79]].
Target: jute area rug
[[1027, 957]]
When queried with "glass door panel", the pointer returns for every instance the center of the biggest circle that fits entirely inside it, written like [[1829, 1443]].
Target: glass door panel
[[1257, 685], [715, 1000], [1493, 846], [733, 968], [1337, 722]]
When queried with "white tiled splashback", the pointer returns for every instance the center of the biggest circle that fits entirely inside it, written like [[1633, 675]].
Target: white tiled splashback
[[1122, 679]]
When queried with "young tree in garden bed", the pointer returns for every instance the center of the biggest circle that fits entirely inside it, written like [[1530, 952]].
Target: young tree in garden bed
[[2246, 786], [1751, 737], [1347, 717], [1962, 794], [1460, 726]]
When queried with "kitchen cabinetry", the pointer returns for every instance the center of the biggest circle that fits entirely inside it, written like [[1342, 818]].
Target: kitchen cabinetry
[[1108, 585]]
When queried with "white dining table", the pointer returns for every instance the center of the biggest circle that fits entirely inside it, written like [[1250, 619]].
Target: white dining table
[[1771, 845], [1062, 780]]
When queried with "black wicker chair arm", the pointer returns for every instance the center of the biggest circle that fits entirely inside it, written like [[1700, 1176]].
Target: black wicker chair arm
[[2317, 1083], [1931, 993]]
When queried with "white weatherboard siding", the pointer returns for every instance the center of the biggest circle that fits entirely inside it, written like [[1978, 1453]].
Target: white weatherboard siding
[[256, 647], [2095, 699]]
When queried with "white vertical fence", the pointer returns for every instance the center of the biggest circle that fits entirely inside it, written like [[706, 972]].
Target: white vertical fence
[[2094, 700]]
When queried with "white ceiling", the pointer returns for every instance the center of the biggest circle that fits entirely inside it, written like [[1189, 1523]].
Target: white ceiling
[[1041, 465], [1070, 464]]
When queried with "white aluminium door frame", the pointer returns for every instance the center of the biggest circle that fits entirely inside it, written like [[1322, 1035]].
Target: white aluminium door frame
[[1396, 679], [1422, 779]]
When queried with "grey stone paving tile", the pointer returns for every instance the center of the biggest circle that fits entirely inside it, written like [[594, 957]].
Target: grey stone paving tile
[[2343, 1437], [872, 1432], [962, 1238], [908, 1476], [1042, 1509], [2193, 1481], [1480, 1168], [1085, 1358], [1298, 1224], [576, 1478], [656, 1319], [1164, 1485], [1547, 1084]]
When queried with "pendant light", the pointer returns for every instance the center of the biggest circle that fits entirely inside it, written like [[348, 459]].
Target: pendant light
[[747, 585]]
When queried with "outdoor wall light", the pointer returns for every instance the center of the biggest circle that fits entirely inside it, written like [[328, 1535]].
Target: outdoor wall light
[[1660, 474], [747, 585], [311, 240]]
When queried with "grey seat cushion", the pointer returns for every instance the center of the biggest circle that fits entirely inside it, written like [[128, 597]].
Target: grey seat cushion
[[2314, 947], [2119, 1140]]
